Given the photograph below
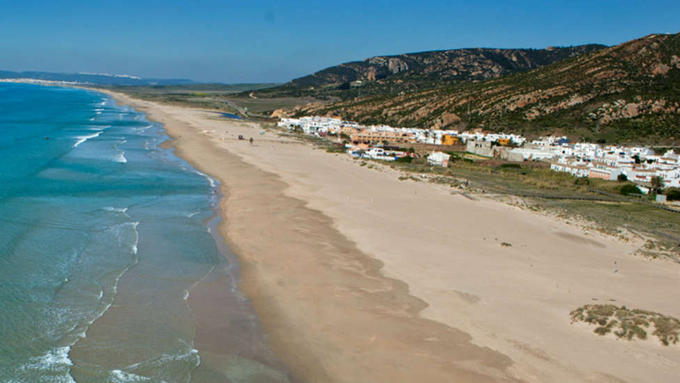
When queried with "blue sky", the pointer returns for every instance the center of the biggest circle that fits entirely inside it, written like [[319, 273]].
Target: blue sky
[[262, 41]]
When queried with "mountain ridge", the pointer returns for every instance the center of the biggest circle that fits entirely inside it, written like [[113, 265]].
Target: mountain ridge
[[422, 70], [626, 92]]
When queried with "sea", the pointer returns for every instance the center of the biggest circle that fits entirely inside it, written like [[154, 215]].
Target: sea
[[104, 233]]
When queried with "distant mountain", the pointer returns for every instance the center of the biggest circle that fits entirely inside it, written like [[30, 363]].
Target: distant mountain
[[629, 92], [93, 78], [424, 70]]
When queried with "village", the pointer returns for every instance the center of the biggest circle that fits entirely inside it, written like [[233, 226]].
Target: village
[[640, 165]]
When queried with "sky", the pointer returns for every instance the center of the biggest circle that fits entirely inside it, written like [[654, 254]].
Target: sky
[[276, 41]]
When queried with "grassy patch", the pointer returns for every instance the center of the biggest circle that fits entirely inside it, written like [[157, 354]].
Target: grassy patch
[[628, 323]]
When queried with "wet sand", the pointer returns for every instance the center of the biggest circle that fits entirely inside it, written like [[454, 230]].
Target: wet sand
[[359, 277]]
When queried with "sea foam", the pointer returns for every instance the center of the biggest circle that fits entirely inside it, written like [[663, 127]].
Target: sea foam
[[55, 361], [120, 157], [119, 376], [82, 139]]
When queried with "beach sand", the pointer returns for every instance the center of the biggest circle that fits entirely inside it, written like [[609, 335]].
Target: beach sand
[[357, 276]]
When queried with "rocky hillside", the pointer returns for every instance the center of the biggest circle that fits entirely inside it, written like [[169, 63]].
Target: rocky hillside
[[419, 71], [630, 92]]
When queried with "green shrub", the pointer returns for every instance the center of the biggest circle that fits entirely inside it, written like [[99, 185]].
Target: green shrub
[[405, 159], [629, 189], [622, 178], [672, 194], [454, 155], [582, 181], [628, 323], [336, 149]]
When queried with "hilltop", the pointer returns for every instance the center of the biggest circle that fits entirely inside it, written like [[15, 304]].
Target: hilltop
[[629, 92], [423, 70]]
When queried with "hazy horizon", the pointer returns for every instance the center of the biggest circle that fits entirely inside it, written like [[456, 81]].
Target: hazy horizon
[[264, 41]]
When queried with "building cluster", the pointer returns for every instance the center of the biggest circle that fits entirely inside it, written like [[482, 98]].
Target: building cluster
[[638, 164], [377, 134]]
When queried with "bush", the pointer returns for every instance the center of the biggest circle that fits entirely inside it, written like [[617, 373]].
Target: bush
[[672, 194], [405, 159], [629, 189], [622, 178], [510, 166], [454, 155], [336, 149], [582, 181], [628, 323]]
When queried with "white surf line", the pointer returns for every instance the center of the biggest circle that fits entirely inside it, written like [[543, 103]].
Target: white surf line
[[82, 139]]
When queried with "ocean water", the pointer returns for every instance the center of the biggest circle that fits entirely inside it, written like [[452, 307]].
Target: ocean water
[[104, 234]]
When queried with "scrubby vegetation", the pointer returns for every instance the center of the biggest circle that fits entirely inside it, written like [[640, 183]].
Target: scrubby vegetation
[[623, 94], [628, 189], [627, 323], [673, 194], [412, 72]]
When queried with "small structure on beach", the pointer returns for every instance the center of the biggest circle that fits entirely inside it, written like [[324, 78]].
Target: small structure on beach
[[438, 159]]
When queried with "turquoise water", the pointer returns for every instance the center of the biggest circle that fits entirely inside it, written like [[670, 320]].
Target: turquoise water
[[103, 235]]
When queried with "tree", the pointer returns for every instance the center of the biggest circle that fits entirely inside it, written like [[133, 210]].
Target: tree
[[622, 178], [657, 184]]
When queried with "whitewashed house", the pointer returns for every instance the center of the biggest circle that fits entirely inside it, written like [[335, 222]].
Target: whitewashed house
[[438, 159]]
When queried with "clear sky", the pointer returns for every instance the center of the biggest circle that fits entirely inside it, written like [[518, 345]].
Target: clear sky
[[275, 41]]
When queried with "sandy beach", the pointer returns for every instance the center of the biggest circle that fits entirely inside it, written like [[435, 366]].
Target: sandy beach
[[357, 276]]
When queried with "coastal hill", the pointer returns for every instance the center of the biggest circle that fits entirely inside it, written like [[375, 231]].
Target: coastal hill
[[629, 92], [423, 70]]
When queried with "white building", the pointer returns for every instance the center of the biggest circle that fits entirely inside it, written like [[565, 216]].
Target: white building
[[438, 159]]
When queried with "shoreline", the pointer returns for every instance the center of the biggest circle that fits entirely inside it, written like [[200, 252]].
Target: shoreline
[[473, 363], [116, 303], [215, 299], [361, 307], [342, 297]]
